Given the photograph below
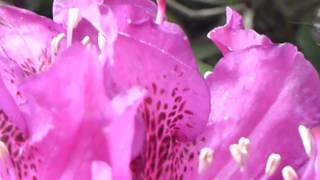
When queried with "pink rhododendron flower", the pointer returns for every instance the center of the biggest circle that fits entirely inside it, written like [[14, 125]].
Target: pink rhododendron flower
[[111, 90]]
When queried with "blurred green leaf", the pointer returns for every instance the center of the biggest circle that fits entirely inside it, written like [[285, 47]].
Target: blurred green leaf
[[206, 53], [308, 45]]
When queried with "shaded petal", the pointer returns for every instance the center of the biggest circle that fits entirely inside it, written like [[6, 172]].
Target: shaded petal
[[75, 86], [232, 36], [31, 34], [8, 105], [101, 171], [120, 132], [166, 37], [13, 147], [168, 80]]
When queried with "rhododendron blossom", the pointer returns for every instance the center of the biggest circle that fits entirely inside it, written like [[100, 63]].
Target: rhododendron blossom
[[109, 89]]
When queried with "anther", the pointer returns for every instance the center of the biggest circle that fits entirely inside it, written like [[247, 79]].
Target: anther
[[272, 164], [244, 144], [240, 151], [73, 20], [85, 40], [236, 153], [101, 41], [288, 173], [206, 74], [205, 159], [306, 138], [55, 44], [3, 150]]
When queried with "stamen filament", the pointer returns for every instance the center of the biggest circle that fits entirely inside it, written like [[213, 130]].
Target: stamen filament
[[306, 138], [55, 43], [73, 19], [205, 159], [161, 13]]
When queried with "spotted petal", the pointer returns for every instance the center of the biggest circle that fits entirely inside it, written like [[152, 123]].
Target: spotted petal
[[173, 88], [75, 86], [32, 35]]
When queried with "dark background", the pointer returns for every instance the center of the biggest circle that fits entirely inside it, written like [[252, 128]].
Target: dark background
[[293, 21]]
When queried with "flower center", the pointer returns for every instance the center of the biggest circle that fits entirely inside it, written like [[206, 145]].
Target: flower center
[[164, 156]]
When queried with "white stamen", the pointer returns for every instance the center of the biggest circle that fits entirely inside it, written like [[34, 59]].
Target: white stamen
[[272, 164], [85, 40], [101, 41], [3, 150], [206, 74], [306, 138], [55, 44], [205, 159], [73, 20], [161, 12], [244, 145], [240, 151], [6, 163], [236, 153], [288, 173]]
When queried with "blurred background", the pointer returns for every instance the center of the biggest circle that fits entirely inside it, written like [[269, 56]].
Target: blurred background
[[293, 21]]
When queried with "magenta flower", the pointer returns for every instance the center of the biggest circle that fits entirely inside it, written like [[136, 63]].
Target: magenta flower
[[111, 90]]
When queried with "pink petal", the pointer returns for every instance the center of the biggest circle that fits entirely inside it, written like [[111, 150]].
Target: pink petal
[[268, 91], [232, 36], [75, 85], [167, 116], [121, 132], [32, 35], [101, 171], [266, 99], [8, 105], [166, 37], [13, 144]]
